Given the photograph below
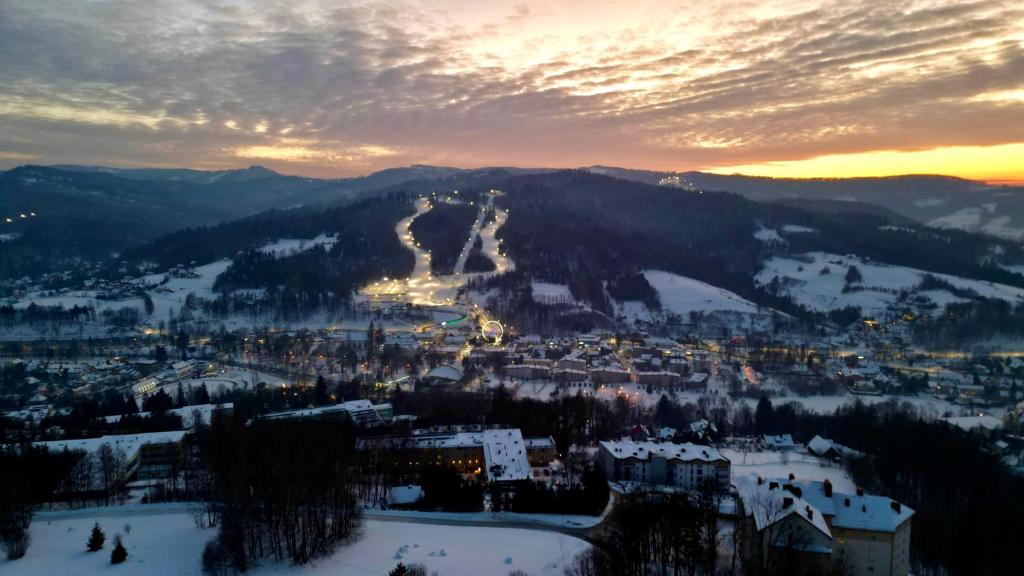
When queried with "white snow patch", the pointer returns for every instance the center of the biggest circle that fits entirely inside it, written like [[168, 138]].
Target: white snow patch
[[794, 229], [544, 291], [963, 219], [881, 283], [768, 235], [290, 246], [682, 295]]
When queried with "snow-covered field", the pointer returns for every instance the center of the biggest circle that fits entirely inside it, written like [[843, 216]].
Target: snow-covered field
[[289, 246], [545, 291], [682, 295], [168, 543], [881, 283], [180, 288], [980, 219]]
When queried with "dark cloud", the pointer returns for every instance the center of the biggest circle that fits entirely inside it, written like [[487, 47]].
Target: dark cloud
[[353, 87]]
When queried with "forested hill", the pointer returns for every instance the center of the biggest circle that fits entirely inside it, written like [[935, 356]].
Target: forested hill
[[90, 214], [940, 201], [581, 228]]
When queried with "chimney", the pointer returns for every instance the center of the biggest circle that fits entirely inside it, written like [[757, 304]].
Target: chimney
[[787, 502], [846, 502], [860, 491], [827, 486], [895, 506]]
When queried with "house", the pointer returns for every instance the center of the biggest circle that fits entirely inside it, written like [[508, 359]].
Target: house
[[869, 534], [775, 525], [823, 447], [685, 465], [779, 442]]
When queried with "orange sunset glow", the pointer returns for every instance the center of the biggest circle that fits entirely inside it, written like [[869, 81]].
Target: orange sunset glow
[[792, 89]]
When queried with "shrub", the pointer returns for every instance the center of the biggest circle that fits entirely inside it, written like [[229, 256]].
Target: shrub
[[119, 553]]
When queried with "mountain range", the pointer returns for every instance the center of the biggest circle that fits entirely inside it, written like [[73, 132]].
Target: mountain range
[[94, 212]]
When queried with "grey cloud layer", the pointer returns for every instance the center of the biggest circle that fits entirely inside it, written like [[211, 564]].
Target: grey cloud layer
[[156, 82]]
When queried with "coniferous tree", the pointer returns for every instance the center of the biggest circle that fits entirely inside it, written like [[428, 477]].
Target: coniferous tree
[[119, 553], [320, 397], [96, 538]]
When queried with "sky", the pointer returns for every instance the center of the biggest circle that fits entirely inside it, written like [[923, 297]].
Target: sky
[[327, 88]]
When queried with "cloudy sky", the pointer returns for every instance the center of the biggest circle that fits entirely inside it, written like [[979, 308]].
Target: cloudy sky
[[329, 88]]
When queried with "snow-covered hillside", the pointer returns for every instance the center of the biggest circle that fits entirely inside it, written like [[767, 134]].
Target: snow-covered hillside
[[803, 279], [682, 295], [985, 218], [289, 246]]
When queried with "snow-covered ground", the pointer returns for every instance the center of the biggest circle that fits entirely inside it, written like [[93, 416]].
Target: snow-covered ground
[[928, 406], [172, 295], [289, 246], [980, 219], [682, 295], [168, 543], [881, 283], [768, 235], [545, 291], [771, 464]]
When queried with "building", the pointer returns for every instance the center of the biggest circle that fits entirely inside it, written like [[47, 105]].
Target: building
[[145, 456], [183, 369], [609, 375], [528, 371], [823, 448], [685, 465], [540, 451], [869, 534], [782, 442], [362, 413], [662, 379], [568, 375], [500, 453]]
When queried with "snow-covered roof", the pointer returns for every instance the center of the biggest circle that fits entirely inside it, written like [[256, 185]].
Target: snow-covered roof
[[505, 455], [779, 440], [405, 494], [686, 452], [129, 443], [186, 413], [820, 445], [866, 512], [768, 503], [445, 372], [541, 442]]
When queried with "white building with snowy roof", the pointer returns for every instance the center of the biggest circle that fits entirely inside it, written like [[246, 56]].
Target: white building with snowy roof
[[685, 466], [869, 534]]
